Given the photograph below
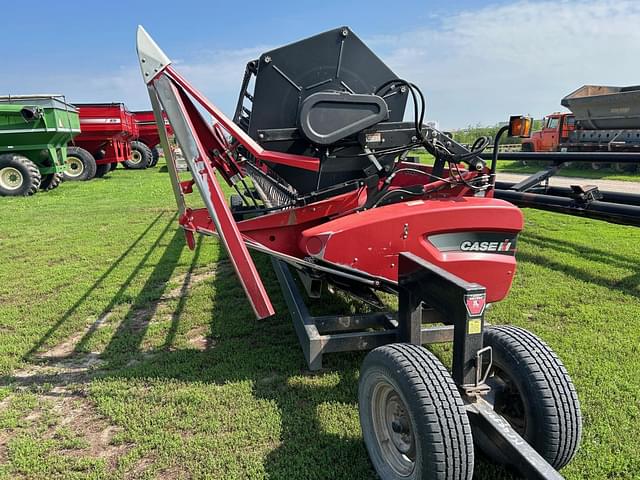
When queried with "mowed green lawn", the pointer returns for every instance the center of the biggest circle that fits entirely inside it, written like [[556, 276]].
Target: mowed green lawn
[[125, 355]]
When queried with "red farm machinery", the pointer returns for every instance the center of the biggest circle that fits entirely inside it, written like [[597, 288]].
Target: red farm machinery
[[106, 130], [316, 154], [148, 140]]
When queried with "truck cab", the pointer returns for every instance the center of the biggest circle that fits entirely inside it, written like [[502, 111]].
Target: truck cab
[[555, 131]]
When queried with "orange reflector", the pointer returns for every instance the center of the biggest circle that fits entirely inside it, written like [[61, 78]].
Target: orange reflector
[[520, 126]]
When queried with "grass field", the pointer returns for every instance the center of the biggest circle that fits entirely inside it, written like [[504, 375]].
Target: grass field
[[125, 355], [509, 166]]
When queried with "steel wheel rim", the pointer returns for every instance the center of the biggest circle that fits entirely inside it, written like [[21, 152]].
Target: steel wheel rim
[[393, 429], [75, 167], [136, 157], [11, 178]]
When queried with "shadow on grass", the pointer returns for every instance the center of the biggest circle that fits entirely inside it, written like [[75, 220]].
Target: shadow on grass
[[572, 248], [627, 285], [98, 283], [265, 353]]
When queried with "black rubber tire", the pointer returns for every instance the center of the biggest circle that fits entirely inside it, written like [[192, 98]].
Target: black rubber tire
[[51, 181], [527, 147], [88, 164], [442, 433], [155, 156], [113, 166], [29, 176], [102, 169], [541, 390], [139, 148]]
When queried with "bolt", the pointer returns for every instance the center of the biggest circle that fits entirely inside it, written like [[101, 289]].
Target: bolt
[[403, 89], [261, 135], [267, 59], [345, 32], [143, 60]]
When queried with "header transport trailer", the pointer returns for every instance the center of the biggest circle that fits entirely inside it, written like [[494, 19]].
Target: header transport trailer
[[315, 157], [107, 129], [34, 132], [148, 140]]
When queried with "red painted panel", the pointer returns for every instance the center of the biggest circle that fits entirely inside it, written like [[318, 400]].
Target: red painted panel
[[370, 241]]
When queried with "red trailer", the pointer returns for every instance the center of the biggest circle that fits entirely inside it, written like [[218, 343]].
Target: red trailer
[[106, 130], [148, 139]]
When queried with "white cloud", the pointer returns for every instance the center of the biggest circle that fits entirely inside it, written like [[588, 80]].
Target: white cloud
[[484, 65], [474, 66]]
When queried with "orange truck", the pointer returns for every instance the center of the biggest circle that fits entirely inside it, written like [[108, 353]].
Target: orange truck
[[601, 119]]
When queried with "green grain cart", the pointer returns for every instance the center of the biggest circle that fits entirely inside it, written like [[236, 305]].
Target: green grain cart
[[34, 132]]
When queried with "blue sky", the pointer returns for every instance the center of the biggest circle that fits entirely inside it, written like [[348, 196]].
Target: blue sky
[[477, 62]]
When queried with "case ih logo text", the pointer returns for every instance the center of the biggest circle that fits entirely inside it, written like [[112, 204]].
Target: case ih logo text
[[504, 246]]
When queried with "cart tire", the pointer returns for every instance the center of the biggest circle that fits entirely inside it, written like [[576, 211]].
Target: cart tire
[[140, 157], [155, 156], [537, 395], [81, 165], [408, 397], [19, 176], [102, 169], [51, 181]]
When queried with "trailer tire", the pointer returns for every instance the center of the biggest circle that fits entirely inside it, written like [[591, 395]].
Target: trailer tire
[[140, 156], [81, 165], [155, 156], [406, 395], [19, 176], [102, 169], [51, 181], [534, 393]]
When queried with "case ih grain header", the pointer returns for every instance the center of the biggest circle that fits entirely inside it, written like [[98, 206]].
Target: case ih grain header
[[315, 155], [107, 129]]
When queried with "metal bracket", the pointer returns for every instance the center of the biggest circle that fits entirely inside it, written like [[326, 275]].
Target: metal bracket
[[521, 455], [480, 388], [344, 333], [460, 302], [585, 194], [152, 59]]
